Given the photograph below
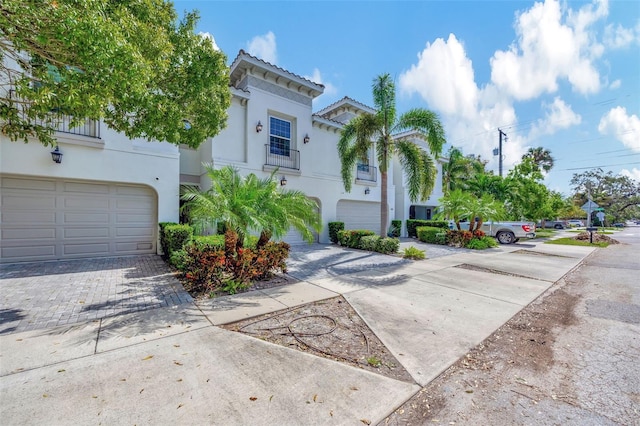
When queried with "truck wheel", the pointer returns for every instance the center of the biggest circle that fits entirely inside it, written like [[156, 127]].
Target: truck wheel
[[557, 226], [506, 237]]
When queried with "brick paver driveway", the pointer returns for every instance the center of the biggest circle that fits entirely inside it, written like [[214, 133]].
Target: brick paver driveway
[[46, 294]]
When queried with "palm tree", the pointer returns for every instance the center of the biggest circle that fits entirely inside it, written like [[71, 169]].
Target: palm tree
[[541, 158], [367, 130], [484, 208], [455, 206], [460, 168], [251, 204]]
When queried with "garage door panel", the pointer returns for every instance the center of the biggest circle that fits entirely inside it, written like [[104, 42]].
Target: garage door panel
[[37, 184], [86, 203], [92, 249], [29, 234], [98, 232], [134, 232], [85, 217], [29, 253], [135, 204], [26, 202], [87, 188], [359, 215], [46, 219], [20, 217], [131, 247]]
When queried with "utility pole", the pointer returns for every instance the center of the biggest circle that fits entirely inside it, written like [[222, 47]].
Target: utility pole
[[498, 151]]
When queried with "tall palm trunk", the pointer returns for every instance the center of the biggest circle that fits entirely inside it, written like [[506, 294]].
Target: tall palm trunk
[[384, 204]]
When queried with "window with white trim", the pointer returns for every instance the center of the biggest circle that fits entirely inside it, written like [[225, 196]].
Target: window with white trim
[[279, 136]]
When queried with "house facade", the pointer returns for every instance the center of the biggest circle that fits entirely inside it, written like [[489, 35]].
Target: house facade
[[108, 194]]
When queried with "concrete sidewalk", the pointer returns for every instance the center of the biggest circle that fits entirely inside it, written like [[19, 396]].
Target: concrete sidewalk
[[174, 365]]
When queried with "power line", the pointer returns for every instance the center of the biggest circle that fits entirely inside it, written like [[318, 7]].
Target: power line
[[604, 165]]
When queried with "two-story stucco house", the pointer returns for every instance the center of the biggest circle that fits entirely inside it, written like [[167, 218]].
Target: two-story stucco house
[[108, 194]]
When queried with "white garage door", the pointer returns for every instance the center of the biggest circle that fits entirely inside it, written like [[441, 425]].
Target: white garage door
[[47, 219], [359, 215], [294, 237]]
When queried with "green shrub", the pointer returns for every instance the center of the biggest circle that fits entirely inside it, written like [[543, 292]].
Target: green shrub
[[457, 238], [395, 229], [441, 238], [176, 236], [221, 228], [163, 240], [351, 238], [388, 245], [207, 269], [413, 253], [481, 243], [179, 259], [428, 234], [334, 228], [412, 224], [370, 242]]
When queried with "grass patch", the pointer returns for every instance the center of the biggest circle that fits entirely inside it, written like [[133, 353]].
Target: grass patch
[[572, 242], [544, 233]]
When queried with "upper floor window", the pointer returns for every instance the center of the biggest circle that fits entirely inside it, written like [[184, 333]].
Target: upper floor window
[[279, 136]]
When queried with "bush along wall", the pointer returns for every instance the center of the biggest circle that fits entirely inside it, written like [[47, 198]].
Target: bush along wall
[[413, 223], [368, 240], [334, 228], [174, 237], [431, 234]]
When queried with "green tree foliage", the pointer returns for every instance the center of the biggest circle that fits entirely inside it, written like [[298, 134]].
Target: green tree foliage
[[250, 204], [541, 158], [528, 196], [619, 195], [367, 130], [130, 63], [460, 168], [459, 205]]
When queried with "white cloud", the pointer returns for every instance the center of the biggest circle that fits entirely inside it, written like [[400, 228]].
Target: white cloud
[[209, 36], [329, 89], [558, 116], [548, 49], [264, 47], [633, 173], [625, 128], [619, 37], [443, 77], [615, 84]]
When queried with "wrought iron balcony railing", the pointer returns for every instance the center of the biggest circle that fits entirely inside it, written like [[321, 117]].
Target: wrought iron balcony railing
[[282, 157]]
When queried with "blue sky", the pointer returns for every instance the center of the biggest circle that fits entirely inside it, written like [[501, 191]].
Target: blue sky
[[561, 75]]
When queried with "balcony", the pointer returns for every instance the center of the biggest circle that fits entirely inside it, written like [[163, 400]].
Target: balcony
[[89, 128], [366, 173], [282, 157], [59, 122]]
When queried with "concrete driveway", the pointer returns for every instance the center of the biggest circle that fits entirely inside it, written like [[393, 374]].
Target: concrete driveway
[[173, 364]]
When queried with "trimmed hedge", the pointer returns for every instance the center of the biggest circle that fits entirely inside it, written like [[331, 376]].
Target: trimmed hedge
[[431, 234], [351, 238], [334, 228], [412, 224], [367, 240], [163, 240], [174, 237]]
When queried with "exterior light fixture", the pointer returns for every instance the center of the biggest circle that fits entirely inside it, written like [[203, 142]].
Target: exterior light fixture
[[56, 155], [306, 138], [258, 127], [367, 191], [283, 181]]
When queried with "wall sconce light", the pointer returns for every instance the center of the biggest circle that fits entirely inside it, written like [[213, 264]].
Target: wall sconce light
[[306, 138], [56, 155], [367, 191], [258, 127], [283, 181]]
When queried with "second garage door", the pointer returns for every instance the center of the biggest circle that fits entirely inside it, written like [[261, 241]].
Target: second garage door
[[48, 219], [359, 215]]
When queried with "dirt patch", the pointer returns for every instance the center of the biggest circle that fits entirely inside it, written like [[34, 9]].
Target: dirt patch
[[498, 367], [597, 238], [329, 328]]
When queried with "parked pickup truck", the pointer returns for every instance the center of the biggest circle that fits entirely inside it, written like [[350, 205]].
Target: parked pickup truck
[[504, 232]]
